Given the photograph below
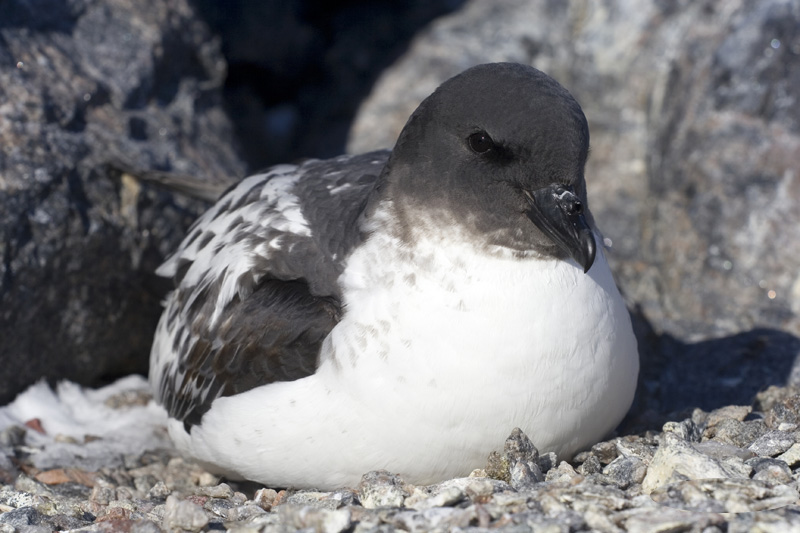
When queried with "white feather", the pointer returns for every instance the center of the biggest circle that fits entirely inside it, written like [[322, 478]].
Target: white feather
[[78, 412]]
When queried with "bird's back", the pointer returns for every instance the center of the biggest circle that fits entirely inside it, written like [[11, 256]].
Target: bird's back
[[256, 282]]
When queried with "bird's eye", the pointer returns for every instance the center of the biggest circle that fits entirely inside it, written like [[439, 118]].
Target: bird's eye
[[480, 142]]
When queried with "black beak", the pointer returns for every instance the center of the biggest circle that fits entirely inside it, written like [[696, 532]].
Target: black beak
[[558, 213]]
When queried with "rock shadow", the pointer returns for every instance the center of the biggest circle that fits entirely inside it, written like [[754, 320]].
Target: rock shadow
[[677, 376]]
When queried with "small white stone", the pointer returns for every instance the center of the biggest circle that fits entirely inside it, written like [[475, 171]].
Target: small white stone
[[677, 460], [183, 515], [445, 498], [791, 456], [223, 490]]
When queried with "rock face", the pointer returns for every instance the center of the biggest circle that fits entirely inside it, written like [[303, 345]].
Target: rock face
[[83, 121], [694, 175]]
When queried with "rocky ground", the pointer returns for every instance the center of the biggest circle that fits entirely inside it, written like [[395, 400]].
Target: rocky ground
[[736, 468]]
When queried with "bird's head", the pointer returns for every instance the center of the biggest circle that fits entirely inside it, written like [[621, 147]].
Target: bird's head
[[500, 150]]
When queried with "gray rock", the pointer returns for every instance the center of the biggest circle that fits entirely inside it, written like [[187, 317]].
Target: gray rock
[[791, 456], [677, 460], [736, 433], [322, 500], [785, 410], [590, 466], [725, 495], [184, 515], [223, 490], [525, 475], [605, 451], [159, 491], [770, 471], [547, 461], [145, 526], [23, 516], [96, 98], [666, 519], [623, 472], [440, 497], [437, 519], [323, 520], [380, 489], [722, 451], [686, 430], [732, 412], [772, 443], [244, 512], [33, 529], [480, 490], [519, 464], [563, 473], [634, 447]]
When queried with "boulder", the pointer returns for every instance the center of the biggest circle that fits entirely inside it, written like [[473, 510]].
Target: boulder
[[100, 102]]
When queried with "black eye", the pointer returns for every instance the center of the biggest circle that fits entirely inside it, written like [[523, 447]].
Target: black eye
[[480, 142]]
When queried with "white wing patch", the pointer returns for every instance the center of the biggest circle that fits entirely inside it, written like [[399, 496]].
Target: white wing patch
[[220, 247]]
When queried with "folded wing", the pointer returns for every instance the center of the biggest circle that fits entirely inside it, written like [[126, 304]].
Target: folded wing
[[256, 288]]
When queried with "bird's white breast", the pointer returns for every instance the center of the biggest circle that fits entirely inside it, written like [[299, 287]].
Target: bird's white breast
[[441, 352]]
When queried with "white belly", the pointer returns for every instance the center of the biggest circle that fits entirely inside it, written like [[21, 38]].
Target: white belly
[[432, 366]]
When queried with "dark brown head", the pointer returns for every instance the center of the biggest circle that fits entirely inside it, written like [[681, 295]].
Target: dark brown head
[[500, 150]]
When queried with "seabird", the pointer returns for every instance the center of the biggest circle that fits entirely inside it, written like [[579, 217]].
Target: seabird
[[402, 310]]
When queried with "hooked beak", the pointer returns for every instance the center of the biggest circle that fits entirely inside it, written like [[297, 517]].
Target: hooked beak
[[559, 214]]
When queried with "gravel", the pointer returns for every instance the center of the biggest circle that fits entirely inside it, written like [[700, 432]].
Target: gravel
[[706, 472]]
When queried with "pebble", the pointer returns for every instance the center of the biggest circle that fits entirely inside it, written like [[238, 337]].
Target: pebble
[[322, 520], [772, 443], [735, 432], [159, 491], [606, 452], [725, 495], [265, 498], [677, 460], [791, 456], [707, 473], [223, 490], [381, 489], [446, 497], [770, 471], [183, 515], [624, 472]]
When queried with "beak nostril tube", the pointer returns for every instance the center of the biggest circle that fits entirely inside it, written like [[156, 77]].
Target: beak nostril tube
[[559, 213]]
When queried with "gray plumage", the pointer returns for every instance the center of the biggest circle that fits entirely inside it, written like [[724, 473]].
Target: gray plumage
[[284, 304]]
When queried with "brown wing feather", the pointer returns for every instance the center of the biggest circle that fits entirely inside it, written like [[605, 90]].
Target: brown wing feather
[[242, 352], [256, 283]]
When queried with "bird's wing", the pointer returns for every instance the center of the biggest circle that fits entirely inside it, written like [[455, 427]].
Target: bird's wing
[[256, 287]]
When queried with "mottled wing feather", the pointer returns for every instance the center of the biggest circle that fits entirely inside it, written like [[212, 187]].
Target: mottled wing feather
[[272, 335], [256, 290]]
